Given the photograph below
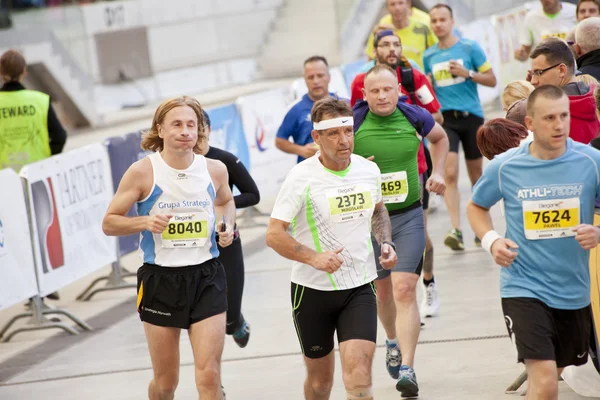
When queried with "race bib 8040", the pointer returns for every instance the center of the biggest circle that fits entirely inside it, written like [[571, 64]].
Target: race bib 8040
[[550, 219], [186, 230]]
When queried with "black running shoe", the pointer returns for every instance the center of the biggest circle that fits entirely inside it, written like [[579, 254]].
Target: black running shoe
[[242, 336]]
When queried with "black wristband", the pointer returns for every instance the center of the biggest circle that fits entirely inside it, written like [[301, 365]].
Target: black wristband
[[391, 244]]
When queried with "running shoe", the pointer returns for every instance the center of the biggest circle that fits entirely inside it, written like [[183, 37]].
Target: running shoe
[[393, 359], [407, 382], [242, 336], [477, 242], [434, 203], [430, 306], [454, 240]]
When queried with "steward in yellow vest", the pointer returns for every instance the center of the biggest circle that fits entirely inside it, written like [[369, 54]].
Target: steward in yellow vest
[[29, 128]]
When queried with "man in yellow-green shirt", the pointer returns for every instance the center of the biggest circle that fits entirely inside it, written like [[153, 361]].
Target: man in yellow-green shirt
[[416, 36]]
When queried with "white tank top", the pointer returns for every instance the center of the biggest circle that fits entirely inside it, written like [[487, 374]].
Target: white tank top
[[188, 195]]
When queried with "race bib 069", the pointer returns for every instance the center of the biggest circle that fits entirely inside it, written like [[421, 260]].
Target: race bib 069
[[186, 230], [349, 203], [550, 219]]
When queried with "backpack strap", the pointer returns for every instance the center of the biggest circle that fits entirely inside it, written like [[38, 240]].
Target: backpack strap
[[408, 82]]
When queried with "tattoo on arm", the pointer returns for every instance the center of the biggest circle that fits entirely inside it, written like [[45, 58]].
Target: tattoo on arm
[[299, 248], [381, 226]]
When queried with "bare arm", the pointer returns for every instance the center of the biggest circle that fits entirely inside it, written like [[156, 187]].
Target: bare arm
[[487, 78], [504, 251], [285, 245], [522, 53], [479, 219], [437, 116], [439, 148], [381, 227], [286, 146], [130, 190]]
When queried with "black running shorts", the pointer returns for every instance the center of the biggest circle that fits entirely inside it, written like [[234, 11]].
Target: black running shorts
[[462, 128], [181, 296], [318, 314], [544, 333]]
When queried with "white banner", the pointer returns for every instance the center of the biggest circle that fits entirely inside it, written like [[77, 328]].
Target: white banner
[[507, 26], [69, 195], [337, 85], [17, 269], [262, 114]]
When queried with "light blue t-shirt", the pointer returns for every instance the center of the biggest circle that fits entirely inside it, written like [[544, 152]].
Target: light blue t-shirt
[[543, 200], [456, 93], [371, 64]]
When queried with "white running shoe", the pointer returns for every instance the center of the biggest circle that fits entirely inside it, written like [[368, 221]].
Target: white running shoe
[[430, 306], [435, 203]]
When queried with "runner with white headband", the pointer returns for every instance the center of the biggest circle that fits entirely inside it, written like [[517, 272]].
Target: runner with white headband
[[333, 202]]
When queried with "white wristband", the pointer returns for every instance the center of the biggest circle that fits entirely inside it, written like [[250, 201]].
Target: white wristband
[[488, 240]]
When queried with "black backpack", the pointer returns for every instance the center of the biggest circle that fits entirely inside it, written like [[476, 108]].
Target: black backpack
[[408, 82]]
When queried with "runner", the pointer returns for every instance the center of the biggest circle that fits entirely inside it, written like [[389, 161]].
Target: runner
[[456, 67], [417, 89], [232, 256], [181, 196], [297, 124], [416, 35], [549, 210], [552, 63], [391, 131], [333, 201], [553, 19]]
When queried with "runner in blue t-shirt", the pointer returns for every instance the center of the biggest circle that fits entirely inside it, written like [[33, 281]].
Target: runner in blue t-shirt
[[549, 188], [297, 124], [456, 66]]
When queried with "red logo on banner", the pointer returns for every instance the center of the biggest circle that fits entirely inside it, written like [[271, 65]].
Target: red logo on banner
[[48, 226]]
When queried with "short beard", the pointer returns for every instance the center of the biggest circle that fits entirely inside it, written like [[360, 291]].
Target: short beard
[[393, 66]]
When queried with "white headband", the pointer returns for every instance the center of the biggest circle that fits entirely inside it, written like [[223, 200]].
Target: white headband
[[333, 123]]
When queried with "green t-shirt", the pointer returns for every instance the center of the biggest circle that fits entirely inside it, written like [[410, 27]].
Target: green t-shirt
[[395, 143]]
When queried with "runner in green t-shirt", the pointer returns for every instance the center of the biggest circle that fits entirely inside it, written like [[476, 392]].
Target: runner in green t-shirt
[[385, 130], [380, 136]]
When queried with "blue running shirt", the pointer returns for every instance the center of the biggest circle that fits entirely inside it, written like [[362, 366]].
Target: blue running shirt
[[297, 123], [456, 93], [543, 201]]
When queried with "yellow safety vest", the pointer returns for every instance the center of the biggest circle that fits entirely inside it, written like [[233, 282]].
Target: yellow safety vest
[[24, 134]]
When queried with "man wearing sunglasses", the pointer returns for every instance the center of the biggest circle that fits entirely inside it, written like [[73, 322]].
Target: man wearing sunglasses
[[552, 63]]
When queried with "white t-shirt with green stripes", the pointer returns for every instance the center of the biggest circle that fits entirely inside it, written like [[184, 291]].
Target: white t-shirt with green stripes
[[330, 210]]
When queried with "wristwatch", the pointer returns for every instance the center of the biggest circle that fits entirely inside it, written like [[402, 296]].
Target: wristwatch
[[391, 244], [471, 74]]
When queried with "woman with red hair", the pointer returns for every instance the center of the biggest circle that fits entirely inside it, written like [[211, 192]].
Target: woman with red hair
[[499, 135]]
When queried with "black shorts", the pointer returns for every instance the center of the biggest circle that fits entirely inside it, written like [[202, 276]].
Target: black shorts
[[462, 127], [318, 314], [181, 296], [544, 333]]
